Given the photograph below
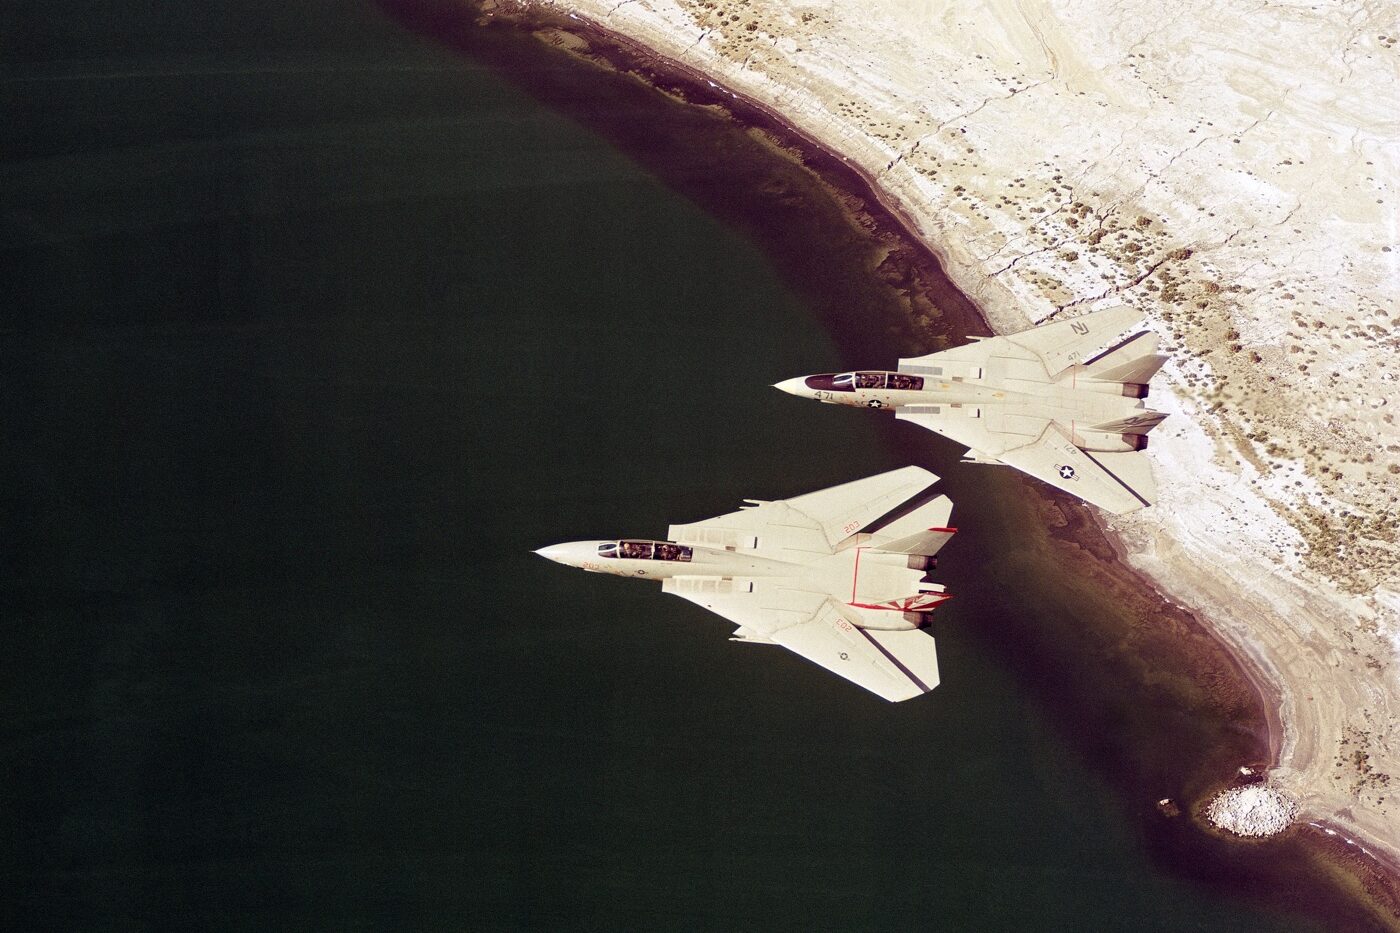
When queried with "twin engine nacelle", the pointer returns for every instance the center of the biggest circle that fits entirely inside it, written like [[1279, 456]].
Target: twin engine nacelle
[[1110, 443], [896, 621]]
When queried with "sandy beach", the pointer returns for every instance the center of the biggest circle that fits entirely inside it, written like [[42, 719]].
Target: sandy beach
[[1231, 173]]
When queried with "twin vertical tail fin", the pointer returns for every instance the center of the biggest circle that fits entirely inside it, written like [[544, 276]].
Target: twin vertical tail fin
[[1138, 424], [916, 536]]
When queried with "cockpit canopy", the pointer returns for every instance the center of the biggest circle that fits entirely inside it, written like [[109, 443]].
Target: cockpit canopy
[[849, 382], [645, 550]]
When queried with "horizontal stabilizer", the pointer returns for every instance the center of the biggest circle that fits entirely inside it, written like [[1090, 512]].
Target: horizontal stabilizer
[[926, 543], [1139, 423], [893, 665], [1132, 470], [1133, 361]]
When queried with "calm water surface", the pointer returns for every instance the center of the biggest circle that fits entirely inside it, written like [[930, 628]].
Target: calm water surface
[[313, 332]]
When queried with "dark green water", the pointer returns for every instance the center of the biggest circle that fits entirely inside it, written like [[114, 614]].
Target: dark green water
[[312, 332]]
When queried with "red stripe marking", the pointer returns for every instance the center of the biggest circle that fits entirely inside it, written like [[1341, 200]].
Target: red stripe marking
[[948, 530], [943, 597]]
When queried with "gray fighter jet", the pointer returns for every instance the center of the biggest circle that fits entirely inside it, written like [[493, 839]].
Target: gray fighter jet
[[1027, 400], [838, 576]]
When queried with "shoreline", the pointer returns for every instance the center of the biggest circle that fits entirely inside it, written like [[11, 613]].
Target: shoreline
[[1063, 165], [1248, 667], [1380, 881]]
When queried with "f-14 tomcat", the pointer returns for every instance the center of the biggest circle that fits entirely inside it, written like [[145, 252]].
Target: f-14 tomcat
[[1026, 400], [836, 576]]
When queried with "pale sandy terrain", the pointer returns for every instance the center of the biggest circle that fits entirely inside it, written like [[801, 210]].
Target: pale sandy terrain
[[1231, 169]]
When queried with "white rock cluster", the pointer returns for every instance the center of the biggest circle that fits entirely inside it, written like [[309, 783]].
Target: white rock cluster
[[1252, 810]]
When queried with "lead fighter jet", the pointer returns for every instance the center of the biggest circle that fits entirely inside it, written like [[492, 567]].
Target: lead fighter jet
[[836, 576], [1026, 400]]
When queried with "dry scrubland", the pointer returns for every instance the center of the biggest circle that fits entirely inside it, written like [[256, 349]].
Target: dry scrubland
[[1228, 168]]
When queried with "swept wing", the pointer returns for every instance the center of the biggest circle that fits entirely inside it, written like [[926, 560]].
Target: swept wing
[[972, 430], [1115, 482], [895, 665], [1056, 346], [811, 524]]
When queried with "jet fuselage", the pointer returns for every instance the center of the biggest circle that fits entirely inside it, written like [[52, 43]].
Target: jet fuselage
[[858, 576], [1078, 405], [657, 560]]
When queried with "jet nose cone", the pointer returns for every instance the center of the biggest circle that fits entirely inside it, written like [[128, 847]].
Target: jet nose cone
[[797, 386], [571, 553], [555, 552]]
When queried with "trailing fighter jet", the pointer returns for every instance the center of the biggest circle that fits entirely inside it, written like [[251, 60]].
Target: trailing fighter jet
[[836, 576], [1026, 400]]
